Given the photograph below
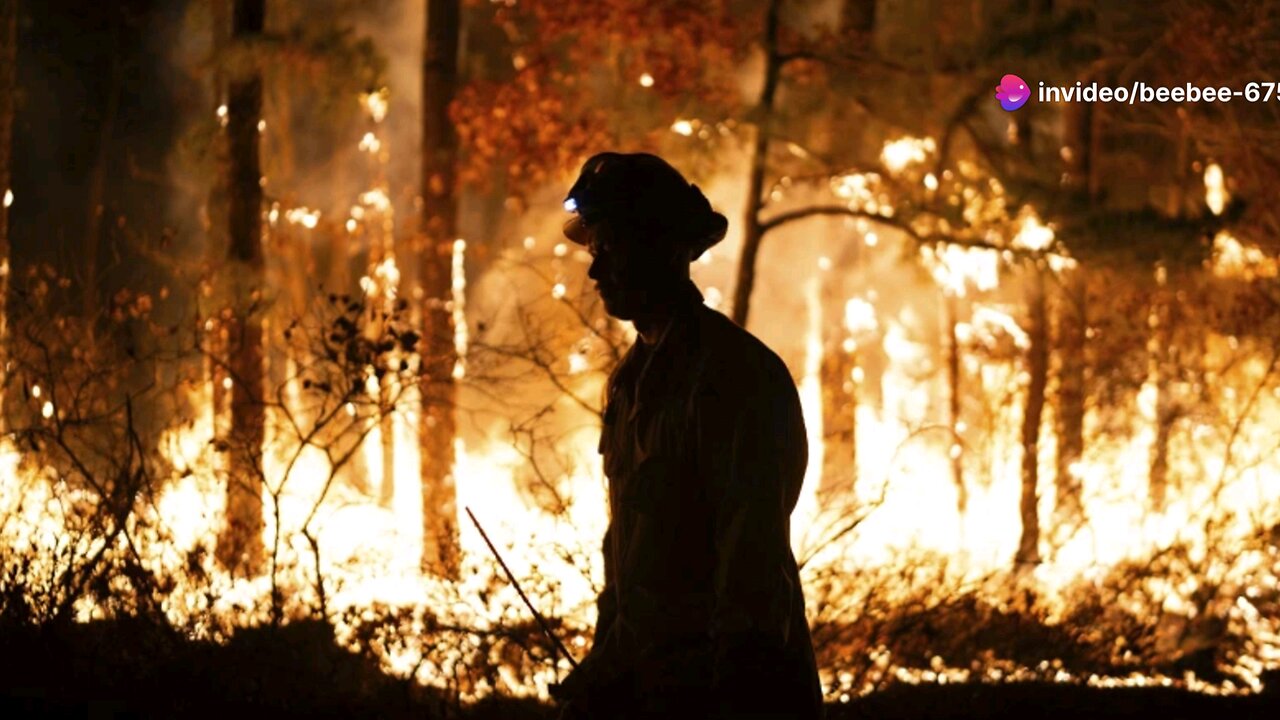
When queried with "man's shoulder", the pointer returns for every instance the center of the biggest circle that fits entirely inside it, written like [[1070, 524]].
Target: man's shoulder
[[733, 355]]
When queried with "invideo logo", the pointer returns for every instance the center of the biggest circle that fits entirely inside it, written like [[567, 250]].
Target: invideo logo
[[1012, 92]]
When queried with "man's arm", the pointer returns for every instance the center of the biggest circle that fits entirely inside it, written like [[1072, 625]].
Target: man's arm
[[753, 447]]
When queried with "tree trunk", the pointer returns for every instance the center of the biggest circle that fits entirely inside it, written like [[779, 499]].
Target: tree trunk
[[839, 422], [953, 406], [240, 547], [1037, 368], [1072, 328], [98, 188], [438, 427], [1073, 323], [216, 230], [8, 88], [753, 231], [1164, 366], [1165, 359]]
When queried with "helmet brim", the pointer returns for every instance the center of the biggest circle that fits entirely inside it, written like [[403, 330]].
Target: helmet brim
[[575, 228]]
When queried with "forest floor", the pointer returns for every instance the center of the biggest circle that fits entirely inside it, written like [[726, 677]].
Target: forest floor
[[117, 671]]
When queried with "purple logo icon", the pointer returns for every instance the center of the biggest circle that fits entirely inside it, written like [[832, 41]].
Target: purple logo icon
[[1012, 92]]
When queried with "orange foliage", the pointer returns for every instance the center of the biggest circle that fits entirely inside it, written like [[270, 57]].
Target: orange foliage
[[575, 85]]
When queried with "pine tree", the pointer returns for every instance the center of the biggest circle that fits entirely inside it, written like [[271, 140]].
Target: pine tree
[[240, 546]]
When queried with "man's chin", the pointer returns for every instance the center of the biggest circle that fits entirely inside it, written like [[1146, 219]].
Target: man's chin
[[617, 309]]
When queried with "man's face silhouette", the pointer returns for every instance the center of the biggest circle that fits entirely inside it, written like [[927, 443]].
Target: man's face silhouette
[[632, 277]]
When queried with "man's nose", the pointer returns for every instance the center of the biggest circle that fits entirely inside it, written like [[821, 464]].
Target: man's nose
[[596, 270]]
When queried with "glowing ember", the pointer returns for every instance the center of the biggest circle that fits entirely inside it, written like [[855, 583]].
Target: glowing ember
[[859, 316], [376, 199], [376, 104], [1033, 235], [1215, 188], [305, 217], [898, 154]]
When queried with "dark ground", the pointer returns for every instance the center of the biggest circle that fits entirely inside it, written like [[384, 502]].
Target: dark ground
[[120, 670]]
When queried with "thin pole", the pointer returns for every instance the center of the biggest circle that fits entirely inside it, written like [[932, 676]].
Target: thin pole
[[546, 629]]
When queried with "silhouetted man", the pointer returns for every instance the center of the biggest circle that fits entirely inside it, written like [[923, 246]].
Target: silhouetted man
[[702, 614]]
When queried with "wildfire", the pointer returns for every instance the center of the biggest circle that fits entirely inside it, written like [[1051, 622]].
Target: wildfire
[[361, 544]]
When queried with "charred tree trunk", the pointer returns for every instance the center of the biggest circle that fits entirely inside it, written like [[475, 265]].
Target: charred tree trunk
[[1166, 361], [839, 422], [752, 226], [1073, 323], [1072, 328], [1164, 366], [1038, 369], [8, 88], [98, 188], [216, 230], [438, 427], [240, 547], [953, 406]]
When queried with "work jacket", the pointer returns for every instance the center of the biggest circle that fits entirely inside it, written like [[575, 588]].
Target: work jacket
[[705, 450]]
